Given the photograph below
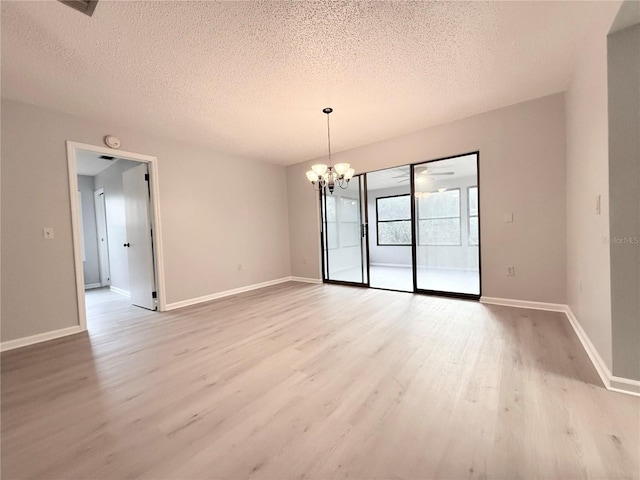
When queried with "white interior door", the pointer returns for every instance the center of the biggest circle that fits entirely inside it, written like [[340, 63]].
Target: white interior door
[[101, 230], [139, 237]]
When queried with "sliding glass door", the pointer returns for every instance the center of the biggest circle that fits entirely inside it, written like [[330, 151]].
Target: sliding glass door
[[390, 235], [424, 234], [446, 225], [344, 233]]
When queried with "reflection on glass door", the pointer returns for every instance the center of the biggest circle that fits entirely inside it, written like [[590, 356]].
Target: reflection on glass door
[[343, 233], [447, 257]]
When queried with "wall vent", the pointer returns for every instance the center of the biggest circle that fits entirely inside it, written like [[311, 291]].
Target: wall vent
[[85, 6]]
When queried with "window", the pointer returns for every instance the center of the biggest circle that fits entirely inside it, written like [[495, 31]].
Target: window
[[472, 193], [332, 222], [439, 218], [349, 222], [343, 222], [393, 220]]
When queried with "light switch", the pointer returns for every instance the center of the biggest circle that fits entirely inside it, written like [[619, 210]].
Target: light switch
[[508, 218], [48, 232]]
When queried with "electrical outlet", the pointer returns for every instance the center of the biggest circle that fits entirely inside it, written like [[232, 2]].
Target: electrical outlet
[[304, 261], [47, 233], [240, 267], [511, 271]]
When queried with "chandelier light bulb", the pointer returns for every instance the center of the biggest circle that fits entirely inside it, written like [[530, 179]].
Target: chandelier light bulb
[[342, 168], [349, 174], [320, 169], [312, 176]]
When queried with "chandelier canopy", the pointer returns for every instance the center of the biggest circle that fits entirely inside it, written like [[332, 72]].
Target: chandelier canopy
[[326, 175]]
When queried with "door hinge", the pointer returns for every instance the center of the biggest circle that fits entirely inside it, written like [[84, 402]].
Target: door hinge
[[146, 177], [154, 294]]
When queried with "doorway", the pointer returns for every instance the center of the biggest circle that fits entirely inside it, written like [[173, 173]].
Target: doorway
[[413, 228], [116, 231], [446, 219], [344, 222], [390, 233]]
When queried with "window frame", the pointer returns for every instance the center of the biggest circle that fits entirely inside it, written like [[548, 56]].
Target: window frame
[[469, 216], [459, 217], [378, 222]]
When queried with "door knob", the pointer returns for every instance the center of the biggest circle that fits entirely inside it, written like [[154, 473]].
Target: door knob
[[127, 244]]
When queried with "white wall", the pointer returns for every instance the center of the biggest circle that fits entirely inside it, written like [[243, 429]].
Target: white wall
[[111, 180], [90, 265], [217, 211], [588, 266], [522, 170]]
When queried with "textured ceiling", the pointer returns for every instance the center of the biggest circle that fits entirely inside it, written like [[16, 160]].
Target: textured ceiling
[[251, 78]]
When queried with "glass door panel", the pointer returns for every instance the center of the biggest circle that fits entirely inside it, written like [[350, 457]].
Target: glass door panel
[[446, 222], [343, 233], [390, 238]]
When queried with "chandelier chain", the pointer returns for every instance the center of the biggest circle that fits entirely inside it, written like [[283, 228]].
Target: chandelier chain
[[326, 176], [329, 138]]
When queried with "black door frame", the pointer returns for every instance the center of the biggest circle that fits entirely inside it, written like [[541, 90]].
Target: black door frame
[[414, 227], [364, 235]]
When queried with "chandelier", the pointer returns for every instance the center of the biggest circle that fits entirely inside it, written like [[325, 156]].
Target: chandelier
[[326, 175]]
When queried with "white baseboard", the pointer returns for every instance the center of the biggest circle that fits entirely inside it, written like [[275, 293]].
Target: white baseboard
[[422, 267], [624, 385], [41, 337], [120, 291], [396, 265], [611, 382], [305, 280], [508, 302], [226, 293], [89, 286], [446, 269], [593, 354], [235, 291]]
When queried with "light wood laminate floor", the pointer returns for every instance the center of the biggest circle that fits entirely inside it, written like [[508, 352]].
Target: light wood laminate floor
[[314, 381]]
